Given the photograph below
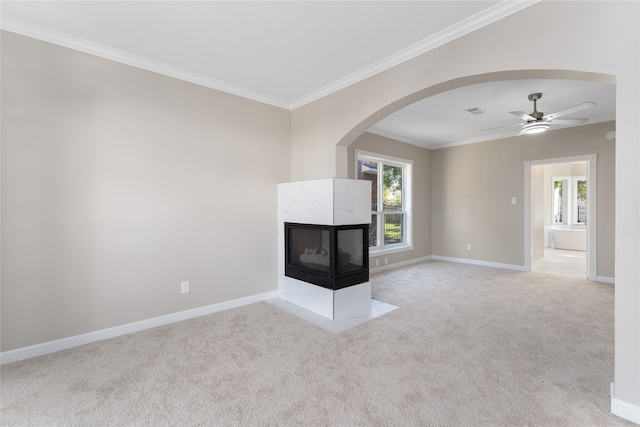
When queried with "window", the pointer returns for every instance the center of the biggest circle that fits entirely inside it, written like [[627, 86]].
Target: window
[[580, 199], [390, 227], [559, 200], [569, 200]]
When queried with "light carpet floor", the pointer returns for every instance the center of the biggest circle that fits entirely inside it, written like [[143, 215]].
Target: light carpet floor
[[468, 346]]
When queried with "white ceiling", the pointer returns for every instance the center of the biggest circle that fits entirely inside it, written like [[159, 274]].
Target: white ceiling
[[289, 53], [442, 120]]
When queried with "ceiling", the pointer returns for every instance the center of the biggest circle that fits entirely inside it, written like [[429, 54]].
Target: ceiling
[[443, 120], [289, 53]]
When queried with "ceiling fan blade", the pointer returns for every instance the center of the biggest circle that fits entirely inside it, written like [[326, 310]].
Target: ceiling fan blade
[[568, 121], [570, 110], [524, 116], [502, 127]]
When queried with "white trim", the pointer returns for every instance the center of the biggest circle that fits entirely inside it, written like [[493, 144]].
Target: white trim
[[592, 221], [390, 135], [395, 161], [389, 250], [624, 410], [65, 40], [478, 262], [399, 264], [486, 17], [528, 224], [116, 331], [605, 279], [505, 134]]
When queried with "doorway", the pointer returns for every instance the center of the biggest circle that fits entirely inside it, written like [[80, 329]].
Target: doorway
[[560, 209]]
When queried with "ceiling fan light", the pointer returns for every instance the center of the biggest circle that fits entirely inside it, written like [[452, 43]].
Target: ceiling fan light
[[535, 127]]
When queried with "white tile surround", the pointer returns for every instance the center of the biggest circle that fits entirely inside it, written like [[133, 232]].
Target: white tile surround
[[326, 302], [328, 201]]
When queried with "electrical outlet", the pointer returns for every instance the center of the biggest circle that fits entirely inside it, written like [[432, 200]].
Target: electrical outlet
[[386, 260], [184, 287], [377, 263], [468, 246]]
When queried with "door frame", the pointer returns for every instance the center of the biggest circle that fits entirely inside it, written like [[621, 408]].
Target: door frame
[[591, 253]]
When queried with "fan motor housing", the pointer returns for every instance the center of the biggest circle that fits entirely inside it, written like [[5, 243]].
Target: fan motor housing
[[534, 97]]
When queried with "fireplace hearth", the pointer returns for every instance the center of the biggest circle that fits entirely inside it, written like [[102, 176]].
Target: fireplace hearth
[[334, 257]]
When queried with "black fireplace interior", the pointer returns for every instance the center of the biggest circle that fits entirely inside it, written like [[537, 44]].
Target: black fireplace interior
[[331, 256]]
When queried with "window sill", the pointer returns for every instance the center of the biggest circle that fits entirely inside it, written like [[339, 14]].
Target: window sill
[[378, 252]]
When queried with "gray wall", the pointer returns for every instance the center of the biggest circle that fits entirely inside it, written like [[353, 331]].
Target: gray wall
[[472, 187], [118, 184]]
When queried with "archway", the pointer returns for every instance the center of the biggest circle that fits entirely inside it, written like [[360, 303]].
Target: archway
[[360, 128]]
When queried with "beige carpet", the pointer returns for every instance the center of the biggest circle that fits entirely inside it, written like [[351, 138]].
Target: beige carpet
[[468, 346]]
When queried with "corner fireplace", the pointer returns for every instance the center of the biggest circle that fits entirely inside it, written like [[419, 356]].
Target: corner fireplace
[[331, 256]]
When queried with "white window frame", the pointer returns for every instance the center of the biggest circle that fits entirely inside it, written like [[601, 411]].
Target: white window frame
[[569, 199], [407, 202]]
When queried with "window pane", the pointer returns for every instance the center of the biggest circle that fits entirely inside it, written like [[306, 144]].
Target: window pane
[[582, 201], [392, 190], [393, 228], [369, 172], [557, 201], [373, 231]]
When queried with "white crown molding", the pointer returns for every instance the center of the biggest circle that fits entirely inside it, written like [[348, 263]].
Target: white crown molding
[[395, 137], [486, 17], [65, 40], [495, 13], [435, 146]]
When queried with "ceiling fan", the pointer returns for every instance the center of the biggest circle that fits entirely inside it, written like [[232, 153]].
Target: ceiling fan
[[537, 121]]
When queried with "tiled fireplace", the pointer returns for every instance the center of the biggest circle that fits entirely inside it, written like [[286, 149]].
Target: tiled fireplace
[[323, 245]]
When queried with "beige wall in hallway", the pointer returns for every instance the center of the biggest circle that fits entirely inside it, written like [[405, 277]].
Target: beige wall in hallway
[[472, 187]]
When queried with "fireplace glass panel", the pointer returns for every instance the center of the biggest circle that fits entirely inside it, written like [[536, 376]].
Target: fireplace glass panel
[[333, 257], [350, 253], [310, 248]]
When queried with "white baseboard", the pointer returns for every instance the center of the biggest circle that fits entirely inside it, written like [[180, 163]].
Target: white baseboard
[[605, 279], [623, 409], [477, 262], [65, 343], [449, 259], [399, 264]]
